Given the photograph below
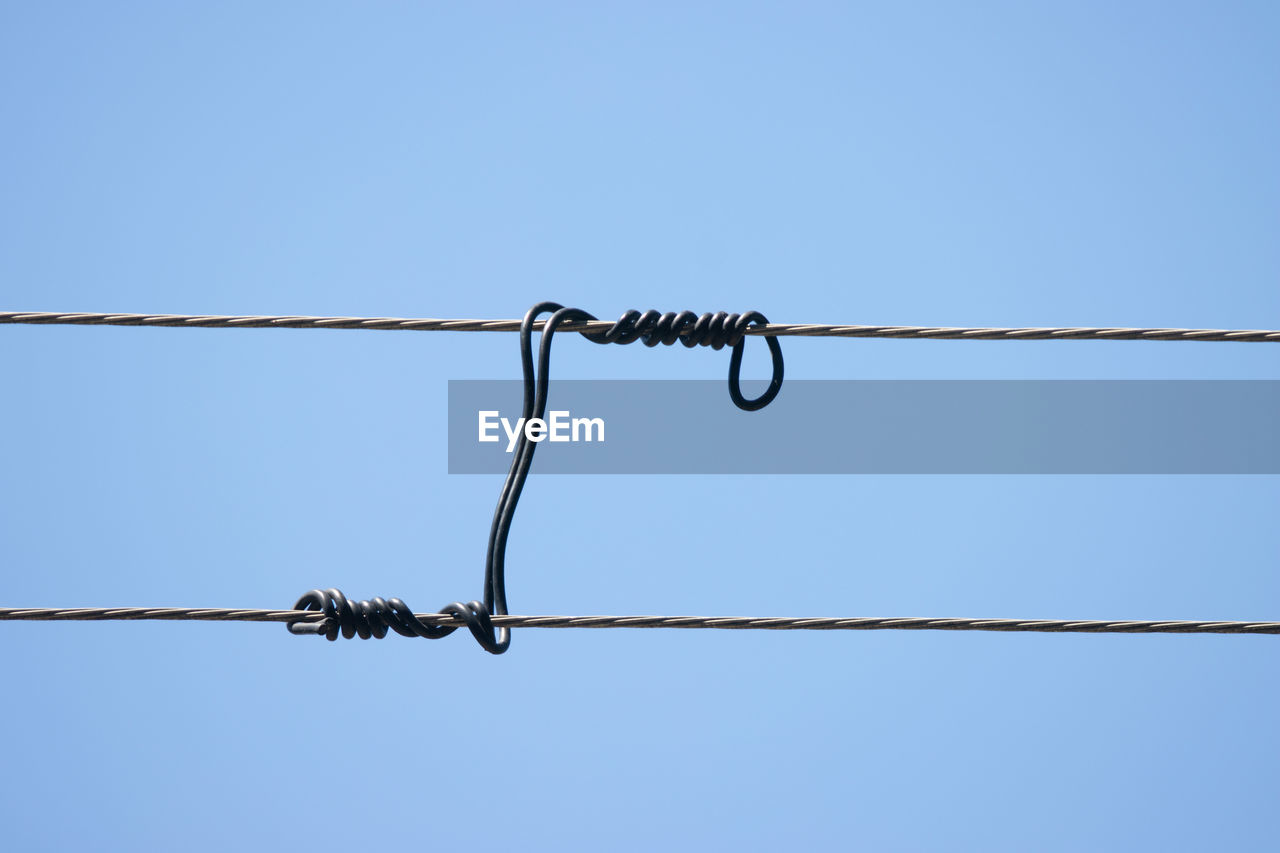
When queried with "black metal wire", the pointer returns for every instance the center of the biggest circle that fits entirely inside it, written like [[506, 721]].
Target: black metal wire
[[708, 330], [375, 617]]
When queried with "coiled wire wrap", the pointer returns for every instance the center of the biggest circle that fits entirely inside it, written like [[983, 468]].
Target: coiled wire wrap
[[375, 617], [708, 330]]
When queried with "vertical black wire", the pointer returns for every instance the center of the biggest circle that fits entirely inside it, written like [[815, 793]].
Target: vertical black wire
[[536, 387]]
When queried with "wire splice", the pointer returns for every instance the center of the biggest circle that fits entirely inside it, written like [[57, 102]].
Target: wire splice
[[372, 619], [708, 330]]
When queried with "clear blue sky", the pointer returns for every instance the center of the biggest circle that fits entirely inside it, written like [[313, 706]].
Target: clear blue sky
[[949, 164]]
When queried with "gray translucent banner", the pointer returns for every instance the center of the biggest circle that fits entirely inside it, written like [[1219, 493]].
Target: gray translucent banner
[[877, 427]]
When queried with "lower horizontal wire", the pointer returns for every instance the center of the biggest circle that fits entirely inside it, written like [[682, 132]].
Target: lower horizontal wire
[[768, 623]]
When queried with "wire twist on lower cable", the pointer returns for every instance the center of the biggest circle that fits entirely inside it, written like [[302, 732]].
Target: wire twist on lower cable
[[372, 619]]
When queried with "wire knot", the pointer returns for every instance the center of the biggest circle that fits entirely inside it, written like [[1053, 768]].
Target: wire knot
[[715, 330], [373, 618]]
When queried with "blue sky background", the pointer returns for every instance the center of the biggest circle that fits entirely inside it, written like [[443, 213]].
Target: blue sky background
[[949, 164]]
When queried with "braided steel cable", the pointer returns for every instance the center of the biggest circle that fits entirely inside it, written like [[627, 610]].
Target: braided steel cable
[[330, 613], [317, 623], [812, 330]]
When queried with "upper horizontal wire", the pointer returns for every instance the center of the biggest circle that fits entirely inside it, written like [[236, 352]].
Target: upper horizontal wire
[[1035, 333], [770, 623]]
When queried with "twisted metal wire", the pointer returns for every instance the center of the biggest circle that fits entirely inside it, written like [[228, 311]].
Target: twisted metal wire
[[377, 616], [734, 623], [372, 619], [1028, 333]]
